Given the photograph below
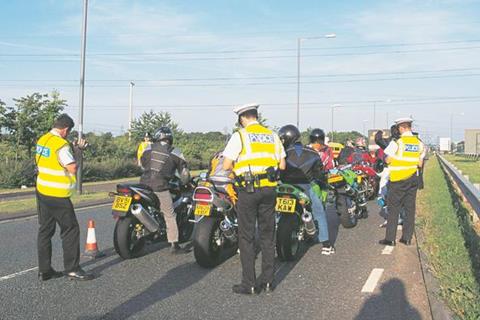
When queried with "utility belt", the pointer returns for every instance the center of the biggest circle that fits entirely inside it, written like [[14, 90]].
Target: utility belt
[[250, 181]]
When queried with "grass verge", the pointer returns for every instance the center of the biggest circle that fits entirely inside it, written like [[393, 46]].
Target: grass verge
[[469, 167], [450, 243], [31, 204]]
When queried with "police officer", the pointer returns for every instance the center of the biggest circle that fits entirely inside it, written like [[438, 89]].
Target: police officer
[[255, 153], [404, 157], [305, 169], [144, 145], [55, 181], [161, 161]]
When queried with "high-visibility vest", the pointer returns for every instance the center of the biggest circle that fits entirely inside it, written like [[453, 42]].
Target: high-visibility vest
[[405, 162], [141, 149], [258, 152], [53, 180]]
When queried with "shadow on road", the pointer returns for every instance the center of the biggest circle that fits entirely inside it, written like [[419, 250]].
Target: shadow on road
[[390, 303], [175, 280]]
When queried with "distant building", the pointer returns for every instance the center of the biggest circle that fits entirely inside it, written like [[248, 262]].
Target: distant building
[[472, 141], [460, 147], [445, 145]]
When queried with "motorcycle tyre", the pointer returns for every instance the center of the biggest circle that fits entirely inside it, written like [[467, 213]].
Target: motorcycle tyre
[[286, 226], [203, 232], [122, 238], [346, 220]]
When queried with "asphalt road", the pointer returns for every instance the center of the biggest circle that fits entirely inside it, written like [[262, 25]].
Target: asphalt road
[[161, 286]]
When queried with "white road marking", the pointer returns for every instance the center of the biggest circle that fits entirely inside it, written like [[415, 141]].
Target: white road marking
[[13, 275], [372, 280], [387, 250]]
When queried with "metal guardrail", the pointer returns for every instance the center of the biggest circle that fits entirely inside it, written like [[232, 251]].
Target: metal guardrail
[[468, 189], [471, 156]]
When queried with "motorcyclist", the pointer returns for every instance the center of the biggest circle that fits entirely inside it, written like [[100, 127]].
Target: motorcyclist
[[161, 162], [305, 169], [358, 154], [317, 143]]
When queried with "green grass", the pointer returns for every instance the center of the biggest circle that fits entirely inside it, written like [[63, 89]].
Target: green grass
[[468, 166], [31, 204], [450, 243]]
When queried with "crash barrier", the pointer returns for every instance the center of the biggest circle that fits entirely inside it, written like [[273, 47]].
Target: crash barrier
[[470, 191], [471, 156]]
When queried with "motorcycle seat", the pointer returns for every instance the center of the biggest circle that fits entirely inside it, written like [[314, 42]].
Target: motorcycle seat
[[135, 185]]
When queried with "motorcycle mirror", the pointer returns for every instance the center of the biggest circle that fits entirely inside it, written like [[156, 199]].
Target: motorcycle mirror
[[203, 175]]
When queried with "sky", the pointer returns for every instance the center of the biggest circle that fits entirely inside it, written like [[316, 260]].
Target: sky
[[198, 59]]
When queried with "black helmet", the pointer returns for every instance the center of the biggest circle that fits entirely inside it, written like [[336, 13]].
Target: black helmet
[[317, 135], [147, 135], [289, 134], [164, 134]]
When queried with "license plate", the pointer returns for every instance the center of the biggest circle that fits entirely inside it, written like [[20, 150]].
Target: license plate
[[121, 203], [202, 209], [285, 205], [335, 179]]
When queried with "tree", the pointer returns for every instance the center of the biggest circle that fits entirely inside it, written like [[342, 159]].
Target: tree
[[342, 137], [150, 122]]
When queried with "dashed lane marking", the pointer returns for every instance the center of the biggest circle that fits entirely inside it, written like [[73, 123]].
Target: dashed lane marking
[[372, 280], [388, 250], [13, 275]]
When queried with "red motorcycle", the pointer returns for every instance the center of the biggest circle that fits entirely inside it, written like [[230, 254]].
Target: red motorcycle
[[371, 178]]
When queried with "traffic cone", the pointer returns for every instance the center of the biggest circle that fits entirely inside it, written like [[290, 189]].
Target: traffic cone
[[91, 248]]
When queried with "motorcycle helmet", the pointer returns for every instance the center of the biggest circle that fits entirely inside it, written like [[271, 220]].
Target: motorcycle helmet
[[360, 142], [289, 134], [164, 134], [317, 135]]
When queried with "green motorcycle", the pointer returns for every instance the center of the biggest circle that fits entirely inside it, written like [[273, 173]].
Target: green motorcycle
[[295, 222], [349, 193]]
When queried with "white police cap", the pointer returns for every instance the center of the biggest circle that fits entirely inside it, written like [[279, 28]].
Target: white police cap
[[245, 107], [403, 120]]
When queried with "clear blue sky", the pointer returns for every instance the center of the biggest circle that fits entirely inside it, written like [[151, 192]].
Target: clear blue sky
[[197, 59]]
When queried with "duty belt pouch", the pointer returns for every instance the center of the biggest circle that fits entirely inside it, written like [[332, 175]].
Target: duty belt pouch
[[249, 180]]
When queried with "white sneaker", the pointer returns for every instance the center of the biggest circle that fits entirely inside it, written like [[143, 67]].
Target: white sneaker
[[328, 250]]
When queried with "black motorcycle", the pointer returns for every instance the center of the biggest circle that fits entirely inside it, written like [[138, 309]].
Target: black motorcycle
[[216, 228], [139, 219]]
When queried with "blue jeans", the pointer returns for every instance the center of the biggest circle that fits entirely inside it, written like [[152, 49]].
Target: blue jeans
[[319, 213]]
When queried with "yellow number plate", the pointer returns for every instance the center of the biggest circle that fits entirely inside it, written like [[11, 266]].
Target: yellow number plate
[[285, 205], [121, 203], [202, 209], [335, 179]]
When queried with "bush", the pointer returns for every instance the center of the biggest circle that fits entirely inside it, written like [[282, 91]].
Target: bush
[[110, 169], [14, 175]]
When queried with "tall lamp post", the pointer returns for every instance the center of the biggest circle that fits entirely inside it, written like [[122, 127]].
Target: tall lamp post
[[364, 122], [299, 47], [82, 95], [333, 108], [130, 111]]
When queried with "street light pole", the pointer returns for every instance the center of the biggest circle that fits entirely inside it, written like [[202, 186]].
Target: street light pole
[[130, 111], [82, 96], [299, 46], [364, 123]]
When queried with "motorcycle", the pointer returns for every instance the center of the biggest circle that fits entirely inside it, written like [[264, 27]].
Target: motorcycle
[[295, 221], [349, 194], [136, 210], [371, 179], [216, 227]]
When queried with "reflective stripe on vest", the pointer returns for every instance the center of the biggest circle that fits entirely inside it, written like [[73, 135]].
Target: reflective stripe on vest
[[404, 163], [53, 180], [258, 152]]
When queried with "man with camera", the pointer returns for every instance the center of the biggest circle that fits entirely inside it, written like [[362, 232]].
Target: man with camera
[[55, 182]]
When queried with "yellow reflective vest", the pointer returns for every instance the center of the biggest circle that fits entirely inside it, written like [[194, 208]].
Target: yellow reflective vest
[[405, 162], [53, 180], [258, 152], [141, 149]]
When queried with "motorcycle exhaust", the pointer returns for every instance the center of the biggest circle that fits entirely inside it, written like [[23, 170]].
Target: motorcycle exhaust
[[309, 223], [142, 215], [227, 228]]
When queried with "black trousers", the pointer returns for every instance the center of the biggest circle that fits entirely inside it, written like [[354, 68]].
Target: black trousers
[[401, 194], [252, 208], [52, 210]]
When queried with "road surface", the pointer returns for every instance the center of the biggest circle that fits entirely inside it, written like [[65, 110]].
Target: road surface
[[363, 280]]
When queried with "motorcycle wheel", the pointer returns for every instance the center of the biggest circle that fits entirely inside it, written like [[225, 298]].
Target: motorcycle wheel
[[288, 244], [347, 220], [205, 248], [125, 240], [185, 227]]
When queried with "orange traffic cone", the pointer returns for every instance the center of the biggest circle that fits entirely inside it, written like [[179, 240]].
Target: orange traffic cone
[[91, 248]]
